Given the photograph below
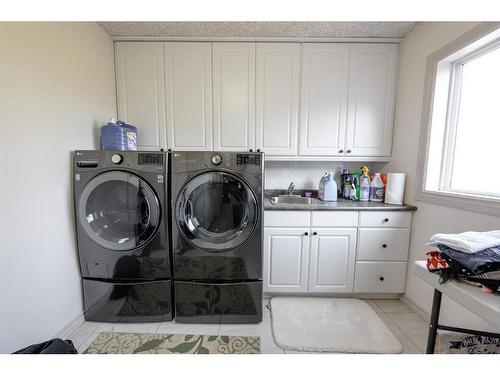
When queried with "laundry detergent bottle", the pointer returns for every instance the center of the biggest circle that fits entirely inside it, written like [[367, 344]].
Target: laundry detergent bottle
[[377, 189], [364, 193], [328, 188]]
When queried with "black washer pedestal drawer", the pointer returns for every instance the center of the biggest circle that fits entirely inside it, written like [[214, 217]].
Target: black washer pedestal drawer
[[127, 302], [203, 302]]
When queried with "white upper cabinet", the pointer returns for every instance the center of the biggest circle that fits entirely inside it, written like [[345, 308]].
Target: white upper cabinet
[[233, 96], [290, 100], [333, 252], [277, 97], [323, 98], [372, 77], [141, 91], [188, 83]]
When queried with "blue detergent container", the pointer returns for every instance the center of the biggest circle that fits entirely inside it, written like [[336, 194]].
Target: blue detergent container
[[118, 136]]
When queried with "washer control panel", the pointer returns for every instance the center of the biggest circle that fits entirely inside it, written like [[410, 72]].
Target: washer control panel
[[149, 159], [143, 161]]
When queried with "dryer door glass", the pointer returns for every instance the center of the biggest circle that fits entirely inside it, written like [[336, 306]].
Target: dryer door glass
[[119, 210], [216, 211]]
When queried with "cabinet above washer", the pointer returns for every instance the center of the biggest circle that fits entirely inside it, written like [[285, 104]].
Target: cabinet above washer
[[293, 101]]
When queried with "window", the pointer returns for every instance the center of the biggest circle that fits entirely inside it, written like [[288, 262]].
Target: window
[[462, 123]]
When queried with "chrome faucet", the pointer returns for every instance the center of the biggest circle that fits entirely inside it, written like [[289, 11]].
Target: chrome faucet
[[291, 187]]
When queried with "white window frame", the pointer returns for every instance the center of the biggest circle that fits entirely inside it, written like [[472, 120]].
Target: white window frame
[[448, 62]]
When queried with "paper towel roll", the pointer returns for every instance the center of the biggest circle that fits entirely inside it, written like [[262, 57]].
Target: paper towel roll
[[395, 188]]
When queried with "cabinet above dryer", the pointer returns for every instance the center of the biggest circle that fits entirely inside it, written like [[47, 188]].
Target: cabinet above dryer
[[293, 101]]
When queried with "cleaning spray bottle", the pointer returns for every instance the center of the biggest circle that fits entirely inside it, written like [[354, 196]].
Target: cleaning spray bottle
[[364, 194]]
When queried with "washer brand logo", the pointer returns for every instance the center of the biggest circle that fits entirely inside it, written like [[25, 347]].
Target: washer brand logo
[[160, 179], [77, 177]]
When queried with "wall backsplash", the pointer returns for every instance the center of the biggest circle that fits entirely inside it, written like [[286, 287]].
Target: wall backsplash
[[306, 174]]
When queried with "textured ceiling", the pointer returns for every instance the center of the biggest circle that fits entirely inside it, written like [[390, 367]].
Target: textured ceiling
[[260, 29]]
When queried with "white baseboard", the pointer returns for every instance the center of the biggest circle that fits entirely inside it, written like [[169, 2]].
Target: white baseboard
[[336, 295], [417, 310], [70, 327]]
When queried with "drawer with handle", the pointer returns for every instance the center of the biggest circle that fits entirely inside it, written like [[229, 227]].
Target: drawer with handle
[[381, 219], [383, 244], [380, 277], [287, 219], [334, 219]]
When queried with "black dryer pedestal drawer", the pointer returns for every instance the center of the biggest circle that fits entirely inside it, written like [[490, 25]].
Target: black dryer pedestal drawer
[[197, 302]]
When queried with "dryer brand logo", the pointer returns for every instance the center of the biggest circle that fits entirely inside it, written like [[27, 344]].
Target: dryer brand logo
[[160, 179]]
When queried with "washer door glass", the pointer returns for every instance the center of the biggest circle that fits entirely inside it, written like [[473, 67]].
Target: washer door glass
[[216, 211], [119, 210]]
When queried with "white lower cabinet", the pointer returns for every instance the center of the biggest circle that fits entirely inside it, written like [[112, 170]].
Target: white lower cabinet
[[331, 266], [285, 259], [315, 252], [380, 277], [383, 244]]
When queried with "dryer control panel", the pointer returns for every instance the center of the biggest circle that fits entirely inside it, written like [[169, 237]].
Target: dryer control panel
[[248, 162], [248, 159]]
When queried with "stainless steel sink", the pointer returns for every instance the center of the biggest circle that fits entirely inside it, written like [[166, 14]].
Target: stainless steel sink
[[295, 199]]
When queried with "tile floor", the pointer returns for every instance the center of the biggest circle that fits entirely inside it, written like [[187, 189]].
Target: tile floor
[[407, 326]]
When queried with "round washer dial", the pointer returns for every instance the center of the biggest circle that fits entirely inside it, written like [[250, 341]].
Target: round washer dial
[[216, 159], [116, 158]]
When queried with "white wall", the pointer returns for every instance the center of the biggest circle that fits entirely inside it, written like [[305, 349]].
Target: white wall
[[56, 87], [422, 41]]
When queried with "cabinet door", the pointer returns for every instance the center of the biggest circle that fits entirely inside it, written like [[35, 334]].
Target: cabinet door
[[234, 96], [323, 98], [140, 91], [188, 81], [372, 76], [332, 260], [277, 97], [286, 253]]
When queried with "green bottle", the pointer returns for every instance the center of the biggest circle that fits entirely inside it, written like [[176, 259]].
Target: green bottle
[[355, 187]]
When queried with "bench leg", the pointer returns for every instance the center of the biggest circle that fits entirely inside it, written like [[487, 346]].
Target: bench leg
[[433, 326]]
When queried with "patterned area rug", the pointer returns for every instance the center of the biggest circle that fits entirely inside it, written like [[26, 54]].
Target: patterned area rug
[[157, 343]]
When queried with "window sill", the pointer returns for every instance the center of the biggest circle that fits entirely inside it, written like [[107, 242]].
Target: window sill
[[484, 205]]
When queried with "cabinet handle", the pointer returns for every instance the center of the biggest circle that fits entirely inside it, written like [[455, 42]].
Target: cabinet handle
[[306, 234], [348, 151], [384, 245], [341, 151], [386, 220], [381, 278], [315, 233], [251, 150], [258, 150]]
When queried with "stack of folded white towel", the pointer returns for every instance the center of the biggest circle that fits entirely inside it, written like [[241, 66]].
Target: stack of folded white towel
[[467, 242], [473, 257]]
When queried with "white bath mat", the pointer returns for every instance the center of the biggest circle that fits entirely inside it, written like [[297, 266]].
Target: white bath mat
[[341, 325]]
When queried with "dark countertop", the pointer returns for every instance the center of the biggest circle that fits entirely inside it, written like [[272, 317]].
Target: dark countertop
[[340, 205]]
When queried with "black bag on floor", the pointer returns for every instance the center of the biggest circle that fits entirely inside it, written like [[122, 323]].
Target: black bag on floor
[[54, 346]]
